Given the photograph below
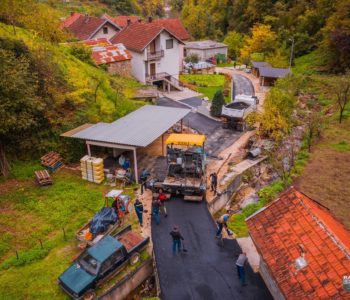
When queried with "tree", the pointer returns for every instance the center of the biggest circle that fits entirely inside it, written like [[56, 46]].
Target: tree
[[341, 89], [217, 103], [276, 119], [198, 21], [192, 58], [278, 59], [234, 42], [336, 43], [262, 40], [19, 106]]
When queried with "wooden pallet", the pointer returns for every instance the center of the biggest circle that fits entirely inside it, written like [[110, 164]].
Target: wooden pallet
[[51, 159], [43, 177]]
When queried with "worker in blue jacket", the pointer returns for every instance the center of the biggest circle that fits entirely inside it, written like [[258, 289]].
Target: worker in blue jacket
[[139, 210]]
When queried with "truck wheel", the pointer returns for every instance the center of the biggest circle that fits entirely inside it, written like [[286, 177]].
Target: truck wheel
[[134, 258], [89, 295]]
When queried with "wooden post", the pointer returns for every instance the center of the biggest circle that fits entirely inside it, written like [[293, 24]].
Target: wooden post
[[135, 167], [88, 148], [163, 144]]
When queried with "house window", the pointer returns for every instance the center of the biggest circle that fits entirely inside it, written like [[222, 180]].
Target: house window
[[169, 44], [105, 30]]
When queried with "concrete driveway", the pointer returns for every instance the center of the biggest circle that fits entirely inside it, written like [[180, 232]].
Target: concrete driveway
[[207, 271], [242, 85], [218, 138]]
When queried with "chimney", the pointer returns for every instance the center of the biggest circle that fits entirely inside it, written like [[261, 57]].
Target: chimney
[[128, 22], [149, 19]]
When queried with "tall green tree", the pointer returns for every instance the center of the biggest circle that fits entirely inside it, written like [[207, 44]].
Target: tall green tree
[[20, 107], [217, 104], [234, 41]]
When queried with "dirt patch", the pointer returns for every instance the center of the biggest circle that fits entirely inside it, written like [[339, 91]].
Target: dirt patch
[[326, 179], [11, 184]]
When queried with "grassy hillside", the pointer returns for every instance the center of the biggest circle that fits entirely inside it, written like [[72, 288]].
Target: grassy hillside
[[90, 94], [29, 214]]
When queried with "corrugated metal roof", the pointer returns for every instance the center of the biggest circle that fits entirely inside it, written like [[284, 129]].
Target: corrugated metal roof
[[204, 45], [259, 64], [139, 128], [273, 72]]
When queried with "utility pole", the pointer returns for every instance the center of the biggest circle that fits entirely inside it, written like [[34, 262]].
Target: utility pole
[[291, 53]]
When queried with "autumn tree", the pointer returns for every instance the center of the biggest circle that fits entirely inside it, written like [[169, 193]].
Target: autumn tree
[[336, 43], [234, 42], [45, 23], [276, 119], [262, 40]]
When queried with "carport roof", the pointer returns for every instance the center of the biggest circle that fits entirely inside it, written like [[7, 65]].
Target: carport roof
[[139, 128], [273, 72]]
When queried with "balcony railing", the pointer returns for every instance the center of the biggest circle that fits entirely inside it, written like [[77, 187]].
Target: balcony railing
[[155, 55]]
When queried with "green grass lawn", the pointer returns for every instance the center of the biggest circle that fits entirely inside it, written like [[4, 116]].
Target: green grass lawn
[[207, 84], [29, 213]]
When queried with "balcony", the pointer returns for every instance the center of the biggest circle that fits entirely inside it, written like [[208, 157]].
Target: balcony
[[155, 55]]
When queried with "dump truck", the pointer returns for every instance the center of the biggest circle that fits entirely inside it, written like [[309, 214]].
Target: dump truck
[[234, 114], [102, 261], [186, 167]]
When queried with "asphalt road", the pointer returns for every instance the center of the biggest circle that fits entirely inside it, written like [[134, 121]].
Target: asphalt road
[[207, 271], [218, 138], [242, 85]]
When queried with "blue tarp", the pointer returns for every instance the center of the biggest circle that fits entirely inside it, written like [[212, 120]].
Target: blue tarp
[[102, 220]]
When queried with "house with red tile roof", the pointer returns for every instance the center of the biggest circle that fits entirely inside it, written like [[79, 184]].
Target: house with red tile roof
[[304, 250], [155, 51], [85, 27], [116, 57], [123, 21]]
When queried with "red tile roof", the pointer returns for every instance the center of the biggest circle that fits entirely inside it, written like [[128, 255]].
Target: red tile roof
[[175, 26], [138, 35], [83, 26], [103, 52], [122, 21], [70, 20], [290, 223]]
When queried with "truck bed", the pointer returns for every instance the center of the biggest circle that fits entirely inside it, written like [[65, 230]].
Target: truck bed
[[130, 240], [185, 182]]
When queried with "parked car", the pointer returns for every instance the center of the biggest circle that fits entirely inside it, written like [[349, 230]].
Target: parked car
[[100, 262]]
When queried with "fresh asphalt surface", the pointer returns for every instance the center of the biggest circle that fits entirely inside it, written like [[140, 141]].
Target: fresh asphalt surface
[[207, 270], [242, 85], [218, 138]]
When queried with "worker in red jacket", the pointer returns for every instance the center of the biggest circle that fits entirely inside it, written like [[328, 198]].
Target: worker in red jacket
[[162, 197]]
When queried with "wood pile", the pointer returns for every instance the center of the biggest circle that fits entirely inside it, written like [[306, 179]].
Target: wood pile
[[52, 161], [43, 177]]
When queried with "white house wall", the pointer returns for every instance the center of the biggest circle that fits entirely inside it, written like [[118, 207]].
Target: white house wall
[[138, 66], [170, 62], [111, 32]]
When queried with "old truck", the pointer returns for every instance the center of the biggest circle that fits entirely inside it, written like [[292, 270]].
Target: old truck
[[186, 166], [235, 113], [101, 262]]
